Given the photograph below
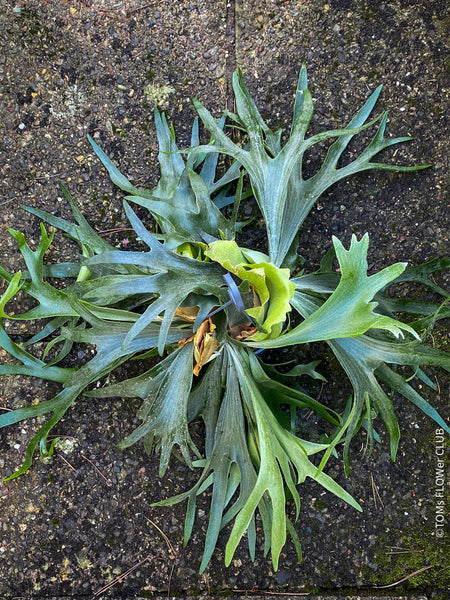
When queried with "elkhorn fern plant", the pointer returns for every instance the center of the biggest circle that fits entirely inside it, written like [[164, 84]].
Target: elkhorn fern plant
[[203, 308]]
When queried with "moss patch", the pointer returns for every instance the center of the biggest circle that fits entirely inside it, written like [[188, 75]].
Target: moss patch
[[414, 550]]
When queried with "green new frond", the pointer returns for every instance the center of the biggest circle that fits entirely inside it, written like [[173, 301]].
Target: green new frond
[[165, 391], [280, 454], [182, 202], [270, 285], [254, 462], [349, 310], [283, 195], [171, 277], [82, 232], [365, 359]]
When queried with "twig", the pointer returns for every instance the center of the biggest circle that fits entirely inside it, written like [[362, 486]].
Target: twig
[[381, 587], [67, 462], [437, 385], [205, 578], [169, 545], [257, 591], [399, 550], [120, 577], [108, 481], [170, 579], [309, 413], [321, 390], [115, 230], [375, 493]]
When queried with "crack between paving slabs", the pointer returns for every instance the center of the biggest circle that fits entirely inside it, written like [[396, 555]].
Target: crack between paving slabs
[[230, 52]]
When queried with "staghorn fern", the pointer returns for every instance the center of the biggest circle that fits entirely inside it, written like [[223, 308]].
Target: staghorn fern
[[207, 306]]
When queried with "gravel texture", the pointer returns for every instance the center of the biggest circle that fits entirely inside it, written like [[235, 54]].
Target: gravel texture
[[81, 520]]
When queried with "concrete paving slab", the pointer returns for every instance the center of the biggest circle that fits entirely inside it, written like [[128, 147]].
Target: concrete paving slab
[[262, 597]]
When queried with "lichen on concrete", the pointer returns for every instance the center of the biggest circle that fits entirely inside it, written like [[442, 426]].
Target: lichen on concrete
[[158, 95]]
